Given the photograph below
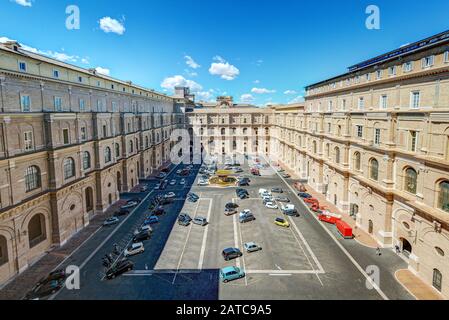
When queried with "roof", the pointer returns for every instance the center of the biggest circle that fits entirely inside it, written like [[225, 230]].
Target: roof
[[402, 51], [228, 269]]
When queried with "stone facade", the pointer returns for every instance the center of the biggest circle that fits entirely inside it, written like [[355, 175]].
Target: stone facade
[[70, 141]]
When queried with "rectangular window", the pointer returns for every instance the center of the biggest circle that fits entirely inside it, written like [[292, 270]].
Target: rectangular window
[[368, 76], [25, 103], [408, 66], [56, 73], [383, 102], [58, 103], [114, 106], [83, 134], [379, 74], [329, 128], [413, 141], [359, 131], [415, 99], [65, 136], [99, 105], [376, 137], [427, 62], [105, 132], [22, 66], [392, 71], [82, 105], [343, 104], [28, 140], [446, 56], [80, 79], [329, 107], [361, 103]]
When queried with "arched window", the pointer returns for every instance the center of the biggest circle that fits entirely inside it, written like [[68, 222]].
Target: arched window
[[107, 155], [374, 169], [357, 161], [131, 146], [86, 160], [437, 281], [223, 131], [69, 168], [202, 131], [117, 150], [36, 230], [137, 144], [337, 155], [32, 178], [245, 130], [314, 147], [443, 197], [411, 179], [3, 250], [147, 142]]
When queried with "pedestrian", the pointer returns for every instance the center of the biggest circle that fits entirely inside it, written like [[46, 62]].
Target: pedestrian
[[378, 252], [398, 250]]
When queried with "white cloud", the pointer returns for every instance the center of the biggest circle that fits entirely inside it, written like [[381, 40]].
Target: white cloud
[[297, 99], [205, 95], [190, 73], [5, 39], [259, 62], [24, 3], [223, 69], [178, 80], [85, 60], [262, 90], [104, 71], [246, 98], [107, 24], [61, 56], [290, 92], [191, 63], [256, 81]]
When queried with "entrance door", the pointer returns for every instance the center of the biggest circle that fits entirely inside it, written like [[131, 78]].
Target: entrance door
[[406, 247], [370, 227]]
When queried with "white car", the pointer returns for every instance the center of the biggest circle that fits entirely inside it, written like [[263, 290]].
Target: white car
[[135, 248], [203, 182], [173, 182], [111, 221], [182, 182], [169, 195], [251, 247], [129, 205], [157, 187], [271, 205]]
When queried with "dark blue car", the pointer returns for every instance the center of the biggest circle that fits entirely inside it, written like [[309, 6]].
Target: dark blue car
[[304, 195]]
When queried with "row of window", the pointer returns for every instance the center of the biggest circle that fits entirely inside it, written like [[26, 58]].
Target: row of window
[[408, 66], [415, 103], [23, 67]]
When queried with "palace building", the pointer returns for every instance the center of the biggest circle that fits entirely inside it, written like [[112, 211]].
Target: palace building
[[70, 141], [374, 140]]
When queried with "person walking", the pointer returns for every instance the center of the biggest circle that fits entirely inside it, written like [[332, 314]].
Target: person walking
[[378, 252]]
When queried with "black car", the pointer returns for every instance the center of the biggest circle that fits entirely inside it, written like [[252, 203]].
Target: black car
[[158, 211], [44, 289], [120, 268], [193, 195], [231, 205], [244, 182], [165, 201], [277, 190], [121, 212], [142, 236], [239, 191], [231, 253]]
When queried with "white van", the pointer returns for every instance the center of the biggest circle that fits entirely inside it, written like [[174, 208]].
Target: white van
[[262, 191]]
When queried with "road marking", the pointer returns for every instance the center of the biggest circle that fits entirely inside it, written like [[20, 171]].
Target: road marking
[[243, 258], [342, 248], [280, 275], [284, 272], [203, 246], [236, 238]]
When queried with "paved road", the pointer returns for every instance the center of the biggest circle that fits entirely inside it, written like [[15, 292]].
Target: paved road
[[302, 262]]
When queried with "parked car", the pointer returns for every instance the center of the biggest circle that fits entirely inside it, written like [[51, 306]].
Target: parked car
[[157, 186], [184, 219], [201, 221], [231, 253], [134, 249], [111, 221], [146, 228], [238, 170], [182, 182], [172, 182], [231, 273], [230, 211], [243, 182], [151, 220], [142, 236], [45, 289], [286, 176], [121, 212], [158, 211], [57, 275], [271, 205], [120, 268], [203, 182], [277, 190], [162, 175], [281, 223], [282, 199], [129, 205], [252, 247], [231, 205], [165, 201], [246, 216], [304, 195]]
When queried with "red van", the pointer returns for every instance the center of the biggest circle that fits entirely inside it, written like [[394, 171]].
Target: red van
[[328, 219], [344, 229]]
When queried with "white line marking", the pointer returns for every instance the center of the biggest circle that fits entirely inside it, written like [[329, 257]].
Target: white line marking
[[284, 272], [243, 258], [236, 238], [354, 262], [203, 246], [280, 275]]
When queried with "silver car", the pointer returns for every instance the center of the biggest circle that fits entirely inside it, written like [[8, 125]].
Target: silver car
[[252, 247], [201, 221]]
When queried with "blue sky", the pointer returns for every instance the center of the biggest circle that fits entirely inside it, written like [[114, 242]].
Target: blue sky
[[258, 51]]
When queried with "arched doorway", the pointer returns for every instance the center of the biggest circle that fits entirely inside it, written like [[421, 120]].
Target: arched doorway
[[370, 227], [36, 230], [89, 198], [406, 247], [3, 250], [437, 281], [119, 181]]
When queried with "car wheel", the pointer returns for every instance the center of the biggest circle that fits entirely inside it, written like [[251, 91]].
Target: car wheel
[[225, 281]]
